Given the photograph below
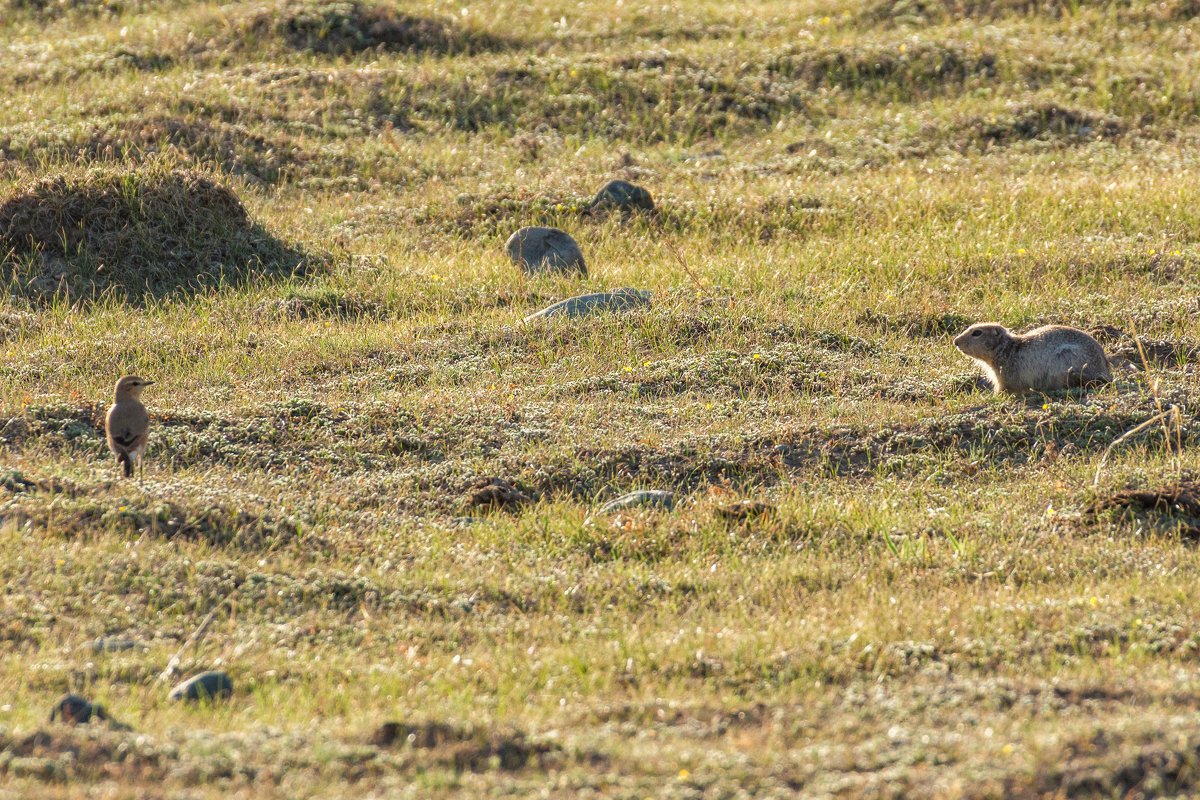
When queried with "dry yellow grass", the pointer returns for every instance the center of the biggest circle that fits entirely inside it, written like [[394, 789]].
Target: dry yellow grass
[[926, 594]]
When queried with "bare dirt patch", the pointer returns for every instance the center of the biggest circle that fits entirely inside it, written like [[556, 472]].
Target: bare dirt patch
[[1174, 507], [1048, 122], [467, 749], [1144, 351]]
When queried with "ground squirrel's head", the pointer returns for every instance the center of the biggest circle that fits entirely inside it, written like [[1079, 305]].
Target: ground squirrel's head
[[131, 387], [981, 341]]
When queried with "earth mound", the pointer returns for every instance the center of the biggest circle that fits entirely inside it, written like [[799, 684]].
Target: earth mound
[[342, 28], [150, 230]]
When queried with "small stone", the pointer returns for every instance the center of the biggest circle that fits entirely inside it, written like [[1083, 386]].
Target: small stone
[[495, 493], [655, 498], [109, 644], [74, 710], [536, 249], [585, 305], [622, 195], [205, 686]]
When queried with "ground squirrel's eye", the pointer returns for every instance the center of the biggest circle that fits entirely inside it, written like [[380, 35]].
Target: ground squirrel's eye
[[976, 333]]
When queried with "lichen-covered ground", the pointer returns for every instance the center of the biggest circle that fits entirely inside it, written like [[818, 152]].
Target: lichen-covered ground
[[878, 580]]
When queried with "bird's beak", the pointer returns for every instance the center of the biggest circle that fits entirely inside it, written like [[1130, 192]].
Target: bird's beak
[[148, 383]]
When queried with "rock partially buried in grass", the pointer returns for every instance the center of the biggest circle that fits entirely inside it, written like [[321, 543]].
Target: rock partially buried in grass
[[539, 250], [585, 305], [654, 498], [205, 686], [623, 196], [109, 644], [75, 710]]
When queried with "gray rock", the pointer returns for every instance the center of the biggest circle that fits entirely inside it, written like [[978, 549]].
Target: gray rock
[[109, 644], [622, 195], [587, 304], [656, 498], [74, 710], [537, 250], [205, 686]]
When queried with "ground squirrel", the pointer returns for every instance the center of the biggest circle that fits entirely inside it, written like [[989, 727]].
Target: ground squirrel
[[1043, 360], [127, 423]]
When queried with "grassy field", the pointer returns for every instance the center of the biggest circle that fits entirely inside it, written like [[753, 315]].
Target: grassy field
[[940, 592]]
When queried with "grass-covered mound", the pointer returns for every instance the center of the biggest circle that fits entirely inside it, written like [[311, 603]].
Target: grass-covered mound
[[926, 12], [85, 10], [341, 28], [150, 230], [189, 138]]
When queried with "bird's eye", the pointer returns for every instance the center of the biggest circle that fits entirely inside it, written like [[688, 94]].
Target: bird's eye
[[976, 333]]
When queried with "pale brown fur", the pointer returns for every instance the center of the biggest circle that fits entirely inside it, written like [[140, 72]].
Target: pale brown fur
[[1044, 360], [128, 424]]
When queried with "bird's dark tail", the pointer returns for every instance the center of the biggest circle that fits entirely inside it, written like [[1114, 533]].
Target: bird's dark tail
[[123, 458]]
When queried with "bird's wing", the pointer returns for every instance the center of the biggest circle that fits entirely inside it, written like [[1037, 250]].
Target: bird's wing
[[127, 438], [127, 425]]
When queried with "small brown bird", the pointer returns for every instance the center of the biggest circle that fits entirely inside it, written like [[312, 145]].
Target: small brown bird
[[127, 423]]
